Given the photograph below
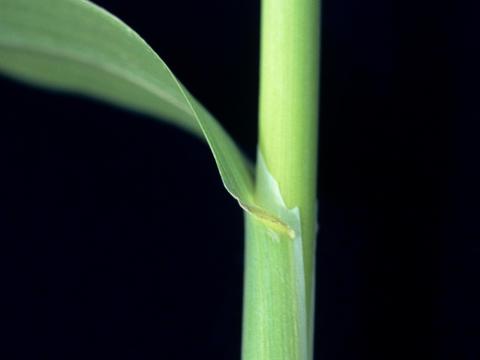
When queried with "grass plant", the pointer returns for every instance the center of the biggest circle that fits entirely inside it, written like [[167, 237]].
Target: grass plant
[[76, 46]]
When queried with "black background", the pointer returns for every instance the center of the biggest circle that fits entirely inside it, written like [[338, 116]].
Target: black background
[[119, 241]]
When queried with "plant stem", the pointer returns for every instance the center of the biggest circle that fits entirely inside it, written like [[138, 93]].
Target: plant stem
[[289, 108], [288, 128]]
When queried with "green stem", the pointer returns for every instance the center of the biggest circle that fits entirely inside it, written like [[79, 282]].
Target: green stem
[[288, 128], [289, 108]]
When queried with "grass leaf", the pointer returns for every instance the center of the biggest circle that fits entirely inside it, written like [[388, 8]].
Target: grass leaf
[[76, 46]]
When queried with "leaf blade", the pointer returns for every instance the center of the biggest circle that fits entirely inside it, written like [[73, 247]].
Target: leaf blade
[[82, 48], [76, 46]]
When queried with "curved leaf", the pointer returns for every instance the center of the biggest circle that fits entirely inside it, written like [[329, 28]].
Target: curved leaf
[[76, 46]]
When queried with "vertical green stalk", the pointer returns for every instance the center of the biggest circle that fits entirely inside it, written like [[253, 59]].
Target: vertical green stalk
[[289, 108], [279, 275]]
